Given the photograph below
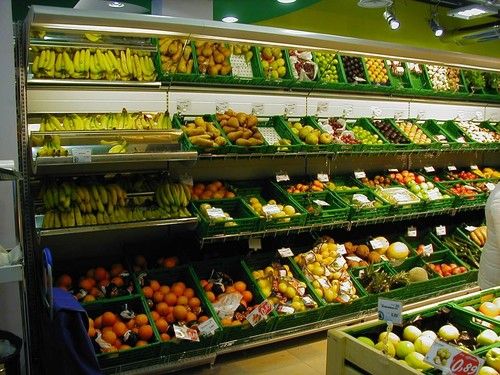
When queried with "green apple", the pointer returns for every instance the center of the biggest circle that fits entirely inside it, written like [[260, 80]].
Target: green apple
[[493, 358], [416, 361], [411, 333], [430, 334], [366, 340], [423, 344], [487, 337], [403, 348], [393, 338], [448, 332], [388, 348], [487, 370]]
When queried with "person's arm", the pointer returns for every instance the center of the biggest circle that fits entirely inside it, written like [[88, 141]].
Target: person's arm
[[495, 223]]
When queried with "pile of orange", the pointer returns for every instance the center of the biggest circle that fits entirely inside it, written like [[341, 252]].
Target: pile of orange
[[141, 264], [112, 329], [94, 280], [238, 286], [213, 190], [174, 303]]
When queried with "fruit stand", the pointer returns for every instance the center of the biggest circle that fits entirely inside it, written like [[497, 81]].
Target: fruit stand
[[201, 197]]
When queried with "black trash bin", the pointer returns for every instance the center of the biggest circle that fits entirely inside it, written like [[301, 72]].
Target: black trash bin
[[11, 363]]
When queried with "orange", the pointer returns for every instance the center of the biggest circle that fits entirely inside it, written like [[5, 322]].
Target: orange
[[148, 292], [226, 321], [182, 300], [109, 350], [236, 323], [107, 329], [240, 286], [178, 289], [125, 347], [91, 322], [194, 302], [202, 319], [120, 328], [135, 330], [64, 281], [155, 315], [99, 274], [229, 194], [217, 184], [489, 309], [230, 289], [118, 281], [88, 298], [218, 195], [86, 284], [116, 269], [164, 337], [108, 319], [95, 292], [164, 289], [171, 299], [141, 319], [131, 324], [170, 318], [189, 292], [203, 282], [98, 322], [155, 285], [145, 332], [190, 317], [208, 286], [162, 325], [161, 309], [211, 296], [180, 312], [109, 337], [158, 297], [212, 187], [141, 343], [170, 262], [206, 195], [247, 296]]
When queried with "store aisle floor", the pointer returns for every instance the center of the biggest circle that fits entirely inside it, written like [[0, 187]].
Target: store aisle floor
[[300, 356]]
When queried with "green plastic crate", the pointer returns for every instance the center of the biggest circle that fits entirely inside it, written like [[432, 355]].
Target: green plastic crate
[[345, 184], [176, 77], [446, 256], [311, 121], [279, 125], [136, 354], [434, 145], [461, 85], [388, 86], [357, 213], [174, 347], [472, 89], [457, 135], [205, 78], [483, 145], [256, 72], [261, 261], [286, 81], [485, 296], [395, 146], [243, 216], [365, 78], [425, 237], [187, 145], [340, 72], [460, 200], [419, 82], [399, 82], [367, 125], [337, 210], [447, 142], [264, 192], [234, 269]]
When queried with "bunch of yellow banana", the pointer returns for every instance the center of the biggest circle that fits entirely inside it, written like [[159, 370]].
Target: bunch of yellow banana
[[173, 198], [479, 235], [95, 64], [176, 56], [120, 148], [487, 173], [52, 147], [58, 196]]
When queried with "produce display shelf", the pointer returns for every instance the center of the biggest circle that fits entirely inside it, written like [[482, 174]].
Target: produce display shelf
[[89, 82], [11, 273], [82, 44]]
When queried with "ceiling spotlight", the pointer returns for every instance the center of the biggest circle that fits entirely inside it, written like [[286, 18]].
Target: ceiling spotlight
[[286, 1], [391, 19], [437, 29], [230, 19], [116, 4]]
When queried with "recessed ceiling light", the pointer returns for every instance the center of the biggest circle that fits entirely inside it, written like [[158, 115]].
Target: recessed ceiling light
[[286, 1], [116, 4], [472, 11], [230, 19]]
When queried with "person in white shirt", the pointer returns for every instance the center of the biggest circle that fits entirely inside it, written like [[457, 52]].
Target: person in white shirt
[[489, 266]]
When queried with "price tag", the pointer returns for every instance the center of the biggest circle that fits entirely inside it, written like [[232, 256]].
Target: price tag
[[185, 333], [285, 252], [324, 283], [260, 312], [183, 105], [82, 155], [360, 198], [221, 107], [282, 176], [257, 108], [347, 110], [421, 115], [215, 213], [270, 209], [390, 311], [322, 107], [393, 170], [401, 197], [451, 360], [340, 261], [319, 202], [287, 310], [376, 244], [186, 179], [270, 135], [461, 140], [323, 177], [428, 250], [470, 228], [429, 169], [254, 243], [290, 109], [354, 258], [452, 168], [441, 230], [411, 232], [208, 327], [398, 115], [490, 186], [376, 111], [440, 137], [473, 167], [308, 301], [359, 174], [341, 249]]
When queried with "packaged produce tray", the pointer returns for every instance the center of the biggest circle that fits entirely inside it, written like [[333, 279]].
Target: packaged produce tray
[[401, 199], [257, 194], [236, 271], [188, 145], [245, 221], [365, 124], [364, 210], [179, 348], [277, 130], [134, 354], [322, 207], [176, 75], [474, 303], [295, 319], [285, 81]]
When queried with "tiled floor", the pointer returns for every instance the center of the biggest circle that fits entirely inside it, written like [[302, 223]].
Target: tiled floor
[[303, 356]]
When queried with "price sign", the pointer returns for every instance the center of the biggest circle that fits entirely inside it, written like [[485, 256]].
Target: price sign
[[451, 360], [440, 137], [390, 311], [257, 108], [208, 327], [376, 244], [340, 261], [323, 177], [183, 105], [255, 243], [308, 301], [290, 109], [428, 250], [186, 179], [347, 110], [429, 169], [354, 258], [287, 310], [490, 186], [441, 230], [393, 170], [452, 168], [473, 167], [282, 176], [260, 312], [319, 202], [285, 252], [271, 209], [411, 232], [359, 174], [376, 111], [470, 228], [341, 249], [322, 107], [215, 213], [324, 283], [185, 333], [361, 198], [82, 155], [221, 107]]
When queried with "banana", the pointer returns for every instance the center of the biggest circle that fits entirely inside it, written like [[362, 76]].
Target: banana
[[49, 198], [116, 65], [103, 194], [68, 64], [187, 192], [76, 61], [100, 218], [144, 67], [77, 122], [138, 69], [41, 62], [60, 219], [34, 66], [93, 204], [67, 124], [93, 219], [48, 220], [112, 194], [78, 216], [129, 61], [123, 62]]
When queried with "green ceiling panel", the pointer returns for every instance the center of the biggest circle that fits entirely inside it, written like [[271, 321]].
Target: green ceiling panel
[[251, 11]]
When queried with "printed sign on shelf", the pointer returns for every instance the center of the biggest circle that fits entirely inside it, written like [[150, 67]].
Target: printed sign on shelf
[[390, 311], [451, 360]]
